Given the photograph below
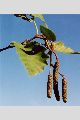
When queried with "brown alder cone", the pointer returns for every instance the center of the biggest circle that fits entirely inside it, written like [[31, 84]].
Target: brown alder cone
[[55, 81], [49, 86], [64, 90]]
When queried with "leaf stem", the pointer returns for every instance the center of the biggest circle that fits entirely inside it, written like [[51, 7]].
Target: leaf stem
[[36, 26]]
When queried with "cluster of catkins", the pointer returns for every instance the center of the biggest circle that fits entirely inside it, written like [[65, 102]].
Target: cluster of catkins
[[53, 83]]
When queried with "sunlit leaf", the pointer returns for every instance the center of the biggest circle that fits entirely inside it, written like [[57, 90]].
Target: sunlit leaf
[[33, 61], [48, 33], [40, 16], [60, 47]]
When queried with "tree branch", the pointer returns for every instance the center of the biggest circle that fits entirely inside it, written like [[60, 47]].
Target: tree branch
[[25, 41], [6, 48], [50, 47]]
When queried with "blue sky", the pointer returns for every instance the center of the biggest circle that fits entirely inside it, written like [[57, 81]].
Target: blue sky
[[17, 88]]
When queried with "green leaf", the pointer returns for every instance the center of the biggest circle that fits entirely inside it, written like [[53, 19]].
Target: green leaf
[[34, 62], [48, 33], [40, 16], [60, 47]]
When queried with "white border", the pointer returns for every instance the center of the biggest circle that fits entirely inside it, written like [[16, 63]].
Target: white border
[[39, 113], [40, 6], [45, 7]]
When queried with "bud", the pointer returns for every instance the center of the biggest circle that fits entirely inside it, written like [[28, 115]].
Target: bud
[[64, 90], [55, 81], [49, 86]]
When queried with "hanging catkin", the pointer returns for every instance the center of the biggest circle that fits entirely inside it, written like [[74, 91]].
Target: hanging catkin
[[64, 90], [49, 86], [55, 81]]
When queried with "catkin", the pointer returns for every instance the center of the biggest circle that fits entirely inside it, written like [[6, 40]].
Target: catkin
[[64, 90], [55, 81], [49, 86]]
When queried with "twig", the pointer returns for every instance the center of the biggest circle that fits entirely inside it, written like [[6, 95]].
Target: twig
[[6, 48], [25, 41], [50, 60], [50, 47], [56, 57], [61, 75]]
